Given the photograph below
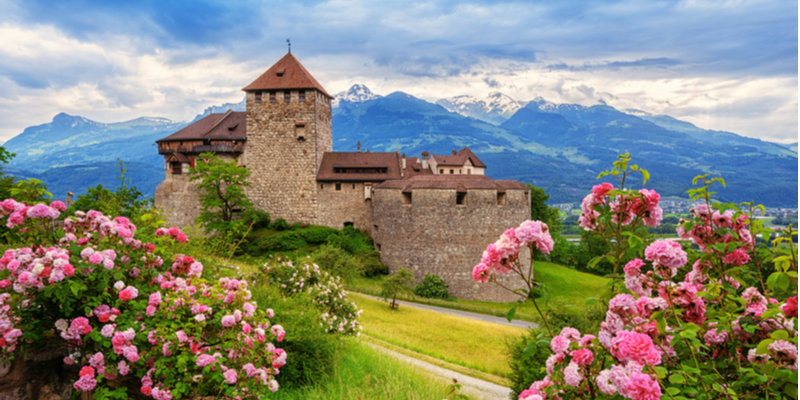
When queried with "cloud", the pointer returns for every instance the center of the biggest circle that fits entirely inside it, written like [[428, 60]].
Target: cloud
[[701, 60]]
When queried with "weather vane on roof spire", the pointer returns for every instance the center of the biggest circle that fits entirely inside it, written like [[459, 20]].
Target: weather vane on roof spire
[[290, 45]]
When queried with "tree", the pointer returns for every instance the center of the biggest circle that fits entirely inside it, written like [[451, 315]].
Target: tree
[[542, 212], [221, 191], [400, 281]]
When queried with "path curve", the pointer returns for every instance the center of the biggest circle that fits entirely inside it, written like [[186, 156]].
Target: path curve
[[465, 314], [469, 385]]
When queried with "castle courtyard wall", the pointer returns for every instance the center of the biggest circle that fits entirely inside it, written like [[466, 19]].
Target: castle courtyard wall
[[434, 235], [346, 205], [179, 200]]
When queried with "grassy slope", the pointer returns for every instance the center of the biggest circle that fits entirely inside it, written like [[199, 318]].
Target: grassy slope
[[473, 344], [364, 373], [565, 287]]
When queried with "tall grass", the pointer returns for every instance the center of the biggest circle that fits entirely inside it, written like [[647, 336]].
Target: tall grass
[[364, 373], [467, 342]]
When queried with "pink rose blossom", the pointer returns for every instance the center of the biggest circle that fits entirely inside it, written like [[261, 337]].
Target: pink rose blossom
[[230, 376], [643, 387]]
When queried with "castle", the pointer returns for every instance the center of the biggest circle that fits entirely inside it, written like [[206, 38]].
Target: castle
[[432, 214]]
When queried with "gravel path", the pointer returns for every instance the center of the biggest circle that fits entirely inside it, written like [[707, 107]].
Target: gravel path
[[465, 314], [469, 385]]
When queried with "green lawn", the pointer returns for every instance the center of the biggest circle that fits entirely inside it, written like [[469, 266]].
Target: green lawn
[[565, 287], [457, 340], [364, 373]]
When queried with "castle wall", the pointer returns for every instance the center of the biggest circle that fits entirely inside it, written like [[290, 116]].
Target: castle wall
[[346, 205], [179, 198], [434, 235], [283, 157]]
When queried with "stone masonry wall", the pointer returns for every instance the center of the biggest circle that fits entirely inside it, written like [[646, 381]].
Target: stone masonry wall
[[347, 205], [434, 235], [179, 200], [284, 167]]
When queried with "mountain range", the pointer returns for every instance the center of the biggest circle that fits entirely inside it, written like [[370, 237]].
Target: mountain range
[[561, 147]]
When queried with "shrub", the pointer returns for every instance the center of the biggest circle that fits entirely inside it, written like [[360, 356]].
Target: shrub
[[432, 287], [311, 348], [317, 234], [123, 312], [257, 218], [337, 262], [699, 334], [286, 241], [280, 225], [371, 264]]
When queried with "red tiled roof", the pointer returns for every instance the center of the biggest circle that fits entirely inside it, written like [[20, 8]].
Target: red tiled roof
[[229, 126], [331, 160], [287, 73], [459, 159], [454, 182]]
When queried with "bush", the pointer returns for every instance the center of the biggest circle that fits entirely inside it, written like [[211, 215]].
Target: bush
[[311, 349], [317, 234], [432, 287], [280, 225], [337, 262], [371, 264], [259, 219]]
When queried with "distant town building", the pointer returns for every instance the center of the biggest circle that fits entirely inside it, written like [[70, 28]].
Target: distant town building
[[432, 214]]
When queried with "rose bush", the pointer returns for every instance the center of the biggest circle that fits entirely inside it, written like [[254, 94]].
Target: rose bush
[[130, 319], [691, 326]]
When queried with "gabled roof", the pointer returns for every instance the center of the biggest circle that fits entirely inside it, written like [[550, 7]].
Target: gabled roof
[[287, 73], [331, 160], [459, 159], [178, 157], [229, 126]]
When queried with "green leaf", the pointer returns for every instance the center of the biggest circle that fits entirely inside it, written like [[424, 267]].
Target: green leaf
[[676, 379], [511, 313], [590, 301], [673, 391], [762, 347], [661, 372], [780, 335], [530, 350]]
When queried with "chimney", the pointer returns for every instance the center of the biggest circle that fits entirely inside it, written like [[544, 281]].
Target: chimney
[[425, 155], [358, 146], [455, 152]]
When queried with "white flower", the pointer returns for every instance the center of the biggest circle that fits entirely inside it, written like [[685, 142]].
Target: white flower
[[38, 268], [119, 285], [199, 317], [61, 324]]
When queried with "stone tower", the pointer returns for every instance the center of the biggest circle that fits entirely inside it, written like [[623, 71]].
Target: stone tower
[[288, 131]]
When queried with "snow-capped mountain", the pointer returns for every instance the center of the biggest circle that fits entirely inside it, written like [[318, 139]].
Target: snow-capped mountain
[[495, 108], [240, 106], [356, 94]]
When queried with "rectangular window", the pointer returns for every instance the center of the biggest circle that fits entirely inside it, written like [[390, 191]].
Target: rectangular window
[[469, 172], [407, 199], [322, 186], [177, 168], [451, 172], [501, 199], [461, 199], [258, 97], [441, 171], [272, 97], [354, 186], [287, 96], [301, 96], [338, 187], [379, 246]]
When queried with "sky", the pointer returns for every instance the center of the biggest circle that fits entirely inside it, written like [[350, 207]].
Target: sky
[[723, 65]]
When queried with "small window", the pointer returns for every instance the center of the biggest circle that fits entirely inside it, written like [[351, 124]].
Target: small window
[[451, 172], [322, 186], [272, 97], [461, 199], [379, 246], [176, 167], [354, 186], [469, 172], [287, 96], [375, 226], [346, 224], [441, 171], [407, 199], [501, 199], [338, 187], [258, 97], [301, 96], [459, 172]]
